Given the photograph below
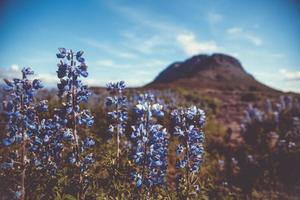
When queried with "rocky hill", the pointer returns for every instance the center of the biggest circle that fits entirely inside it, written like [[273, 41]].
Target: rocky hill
[[217, 71]]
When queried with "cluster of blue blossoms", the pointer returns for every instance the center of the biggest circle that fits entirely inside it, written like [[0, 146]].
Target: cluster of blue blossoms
[[44, 142], [188, 125], [21, 113], [23, 129], [72, 93], [117, 102], [51, 142], [273, 114], [150, 143], [118, 115], [272, 111]]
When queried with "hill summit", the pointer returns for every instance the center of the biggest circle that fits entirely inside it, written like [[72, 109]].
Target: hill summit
[[216, 71]]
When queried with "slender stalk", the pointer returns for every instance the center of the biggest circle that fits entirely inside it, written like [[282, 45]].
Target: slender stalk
[[116, 160], [77, 152], [118, 157], [74, 121], [118, 146], [23, 155], [187, 168], [143, 171], [118, 140], [145, 152]]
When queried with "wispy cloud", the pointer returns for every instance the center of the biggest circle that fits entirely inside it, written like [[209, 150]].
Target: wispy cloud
[[105, 63], [276, 55], [142, 17], [48, 79], [214, 18], [238, 32], [192, 46], [163, 31], [143, 44], [290, 75], [12, 72], [108, 48], [149, 64]]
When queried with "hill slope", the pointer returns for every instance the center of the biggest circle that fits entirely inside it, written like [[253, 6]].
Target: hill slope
[[217, 71]]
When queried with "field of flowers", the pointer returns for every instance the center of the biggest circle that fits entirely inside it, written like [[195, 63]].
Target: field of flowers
[[124, 143]]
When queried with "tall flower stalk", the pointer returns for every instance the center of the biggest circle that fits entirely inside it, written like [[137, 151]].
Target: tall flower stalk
[[21, 112], [188, 125], [118, 115], [73, 93], [150, 145]]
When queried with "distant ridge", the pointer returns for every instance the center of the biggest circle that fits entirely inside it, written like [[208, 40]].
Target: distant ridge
[[217, 71]]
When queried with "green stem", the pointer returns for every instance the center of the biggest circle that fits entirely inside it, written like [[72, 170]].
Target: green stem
[[145, 152], [23, 154], [187, 169], [77, 152]]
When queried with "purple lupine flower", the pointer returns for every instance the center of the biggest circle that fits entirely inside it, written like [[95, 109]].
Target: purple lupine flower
[[21, 113], [254, 114], [69, 116], [150, 143], [297, 103], [188, 125], [289, 102], [282, 102], [89, 142], [269, 106], [157, 156], [117, 116]]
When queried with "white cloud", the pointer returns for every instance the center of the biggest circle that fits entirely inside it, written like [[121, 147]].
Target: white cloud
[[105, 63], [48, 79], [290, 75], [191, 46], [135, 73], [148, 64], [142, 44], [13, 71], [155, 34], [254, 39], [238, 32], [111, 64], [234, 30], [14, 68]]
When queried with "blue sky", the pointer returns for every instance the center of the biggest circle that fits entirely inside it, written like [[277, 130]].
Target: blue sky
[[135, 40]]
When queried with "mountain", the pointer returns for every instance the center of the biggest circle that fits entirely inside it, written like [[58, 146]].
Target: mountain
[[217, 71]]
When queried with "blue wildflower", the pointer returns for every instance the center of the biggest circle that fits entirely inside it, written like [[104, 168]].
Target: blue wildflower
[[73, 93], [20, 110], [37, 84], [7, 165], [118, 115], [68, 135], [150, 143], [188, 124], [8, 141], [43, 106], [89, 142]]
